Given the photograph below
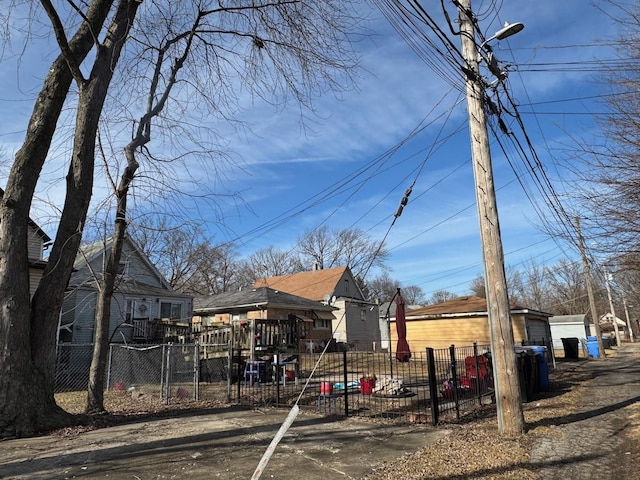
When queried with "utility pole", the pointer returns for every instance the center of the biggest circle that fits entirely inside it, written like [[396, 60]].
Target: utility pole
[[587, 281], [507, 382], [613, 311], [626, 313]]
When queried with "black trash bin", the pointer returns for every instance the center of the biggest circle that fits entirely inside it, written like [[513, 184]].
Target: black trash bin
[[570, 348], [528, 372]]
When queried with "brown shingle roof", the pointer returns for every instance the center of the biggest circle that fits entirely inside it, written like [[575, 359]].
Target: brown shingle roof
[[313, 285]]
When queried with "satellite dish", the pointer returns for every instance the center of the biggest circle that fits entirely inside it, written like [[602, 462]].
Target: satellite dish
[[333, 299], [326, 298]]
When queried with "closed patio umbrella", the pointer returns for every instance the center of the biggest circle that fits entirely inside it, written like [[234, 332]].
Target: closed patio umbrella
[[403, 353]]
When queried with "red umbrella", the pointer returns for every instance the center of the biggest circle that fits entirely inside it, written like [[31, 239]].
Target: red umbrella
[[403, 353]]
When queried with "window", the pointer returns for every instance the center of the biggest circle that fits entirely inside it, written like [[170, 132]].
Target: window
[[170, 310], [123, 268], [238, 316], [322, 323], [363, 314], [346, 285]]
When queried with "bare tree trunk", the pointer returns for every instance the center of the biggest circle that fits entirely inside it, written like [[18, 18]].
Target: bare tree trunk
[[26, 390], [95, 392], [27, 338]]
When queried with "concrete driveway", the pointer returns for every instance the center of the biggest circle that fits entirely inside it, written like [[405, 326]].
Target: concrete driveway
[[226, 444]]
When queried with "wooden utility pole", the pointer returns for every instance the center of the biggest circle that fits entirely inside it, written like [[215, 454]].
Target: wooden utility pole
[[587, 280], [507, 382], [613, 310]]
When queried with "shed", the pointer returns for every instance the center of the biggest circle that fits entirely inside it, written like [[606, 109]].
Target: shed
[[568, 326], [464, 320]]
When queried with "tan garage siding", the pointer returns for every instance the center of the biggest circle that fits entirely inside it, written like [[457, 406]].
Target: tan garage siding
[[435, 328], [443, 332]]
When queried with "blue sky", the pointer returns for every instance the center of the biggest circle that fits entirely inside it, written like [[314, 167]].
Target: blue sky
[[287, 167]]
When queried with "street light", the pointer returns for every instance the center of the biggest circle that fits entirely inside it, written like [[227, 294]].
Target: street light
[[507, 383], [492, 62], [506, 31]]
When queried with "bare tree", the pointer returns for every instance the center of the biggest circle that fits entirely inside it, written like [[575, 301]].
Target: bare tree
[[267, 262], [277, 50], [328, 248], [607, 169], [382, 287], [440, 296], [28, 329], [477, 287]]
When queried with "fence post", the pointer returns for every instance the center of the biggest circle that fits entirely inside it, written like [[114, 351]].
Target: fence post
[[167, 383], [108, 366], [277, 379], [346, 383], [239, 371], [477, 385], [162, 371], [229, 369], [433, 386], [196, 371], [454, 378]]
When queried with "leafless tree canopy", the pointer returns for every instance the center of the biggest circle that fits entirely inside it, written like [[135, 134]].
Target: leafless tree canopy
[[328, 248]]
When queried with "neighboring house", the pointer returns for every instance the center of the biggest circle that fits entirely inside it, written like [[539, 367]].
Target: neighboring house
[[264, 319], [356, 322], [144, 307], [607, 327], [463, 321], [37, 242], [568, 326]]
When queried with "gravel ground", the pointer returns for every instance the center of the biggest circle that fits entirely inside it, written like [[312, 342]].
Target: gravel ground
[[587, 427]]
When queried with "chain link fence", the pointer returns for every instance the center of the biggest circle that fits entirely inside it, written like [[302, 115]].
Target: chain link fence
[[167, 371], [433, 383]]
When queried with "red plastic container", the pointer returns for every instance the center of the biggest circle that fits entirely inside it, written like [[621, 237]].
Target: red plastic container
[[366, 385], [326, 388]]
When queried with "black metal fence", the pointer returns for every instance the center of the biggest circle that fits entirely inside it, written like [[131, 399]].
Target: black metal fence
[[433, 384]]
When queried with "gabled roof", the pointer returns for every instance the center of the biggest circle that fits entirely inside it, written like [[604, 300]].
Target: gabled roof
[[315, 284], [88, 253], [254, 299], [34, 225], [608, 318], [469, 305]]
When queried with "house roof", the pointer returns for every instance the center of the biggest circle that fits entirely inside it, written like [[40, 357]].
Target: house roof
[[315, 284], [87, 253], [34, 225], [469, 305], [132, 288], [608, 318], [255, 298]]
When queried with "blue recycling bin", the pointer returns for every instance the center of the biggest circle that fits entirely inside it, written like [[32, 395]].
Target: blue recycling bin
[[592, 347], [543, 366]]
